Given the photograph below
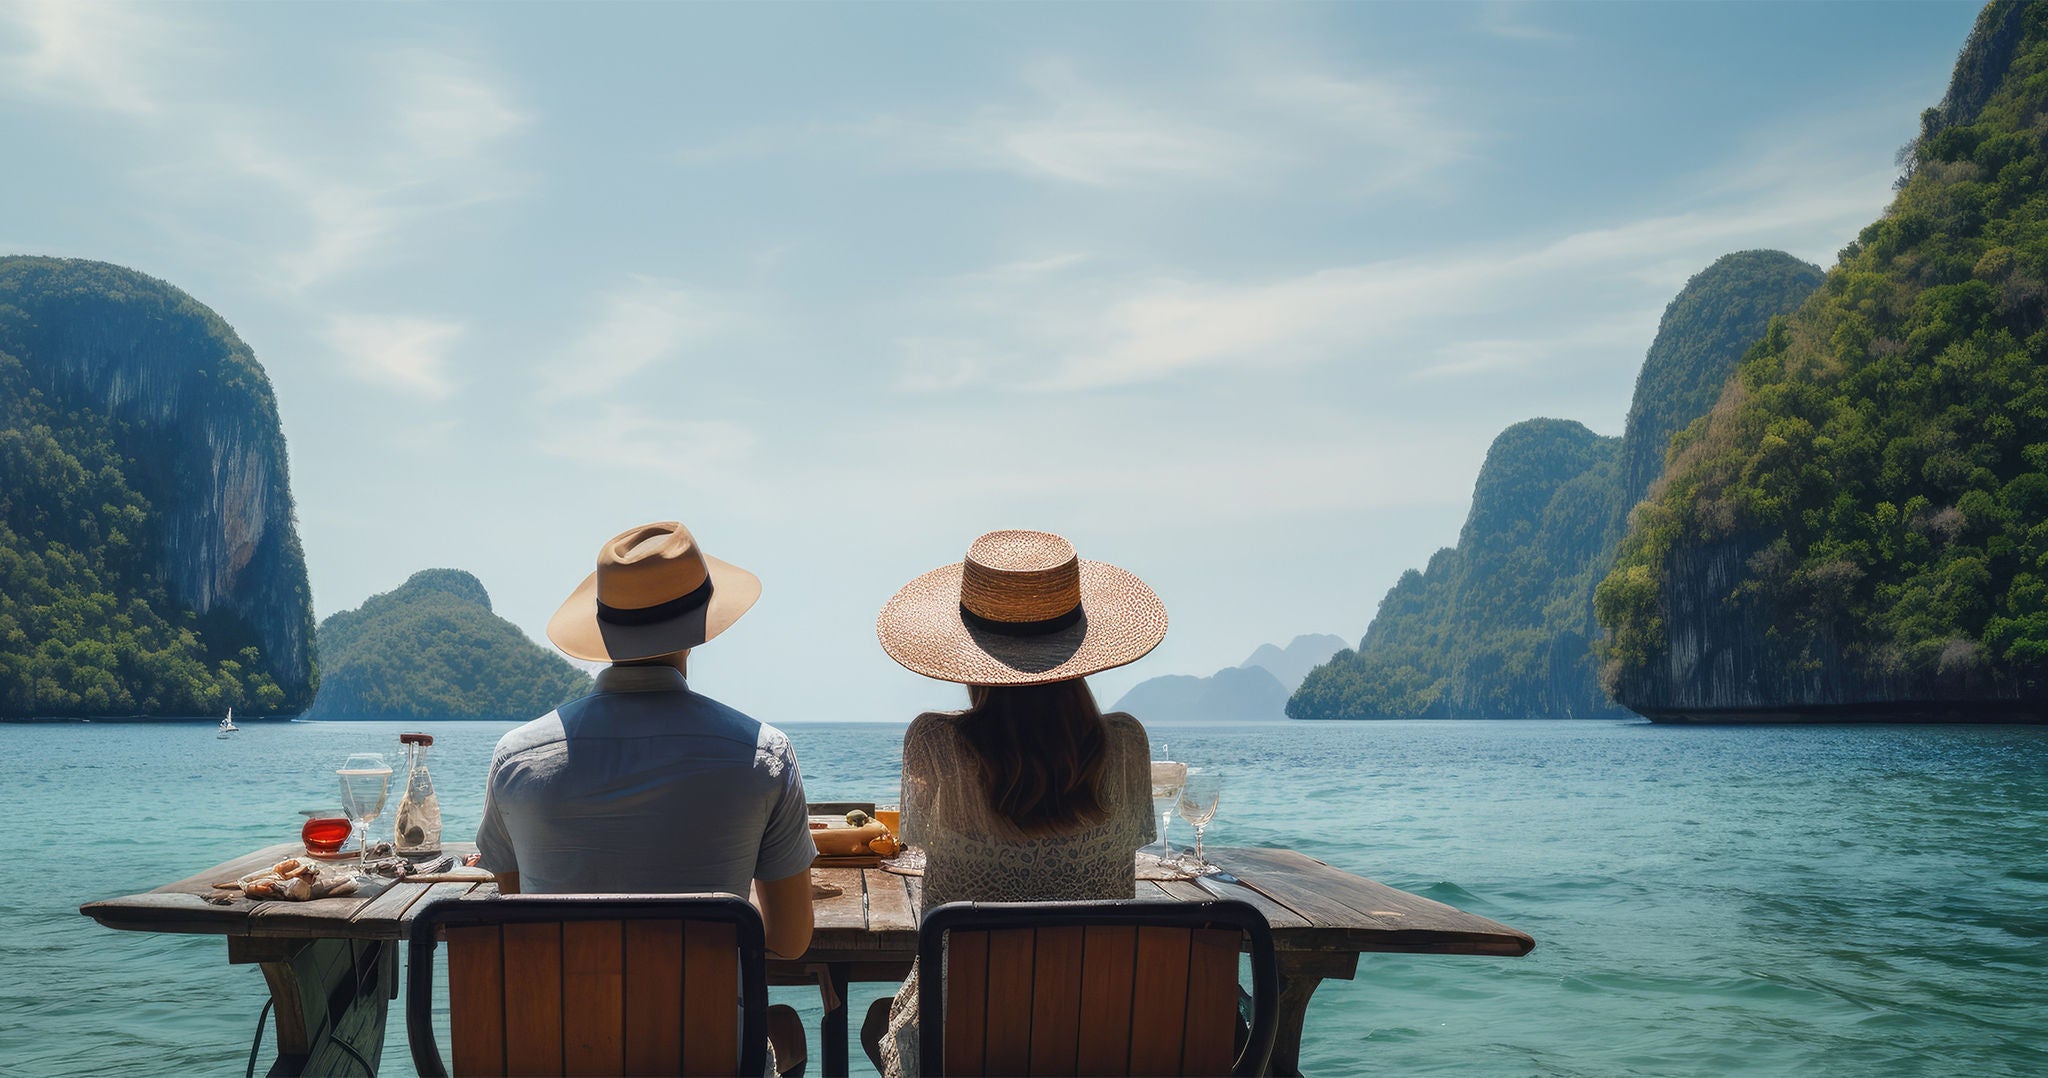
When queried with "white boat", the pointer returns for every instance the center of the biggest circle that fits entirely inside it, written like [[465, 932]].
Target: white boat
[[227, 725]]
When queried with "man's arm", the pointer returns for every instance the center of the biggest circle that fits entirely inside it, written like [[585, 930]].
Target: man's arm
[[508, 883], [785, 906]]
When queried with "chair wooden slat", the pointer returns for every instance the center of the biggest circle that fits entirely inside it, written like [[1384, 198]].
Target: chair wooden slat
[[1209, 1044], [1159, 1003], [1056, 1000], [1007, 1049], [654, 997], [1108, 976], [476, 999], [711, 986], [966, 987], [593, 998], [533, 999]]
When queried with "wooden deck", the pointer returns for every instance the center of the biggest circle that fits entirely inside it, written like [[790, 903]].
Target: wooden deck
[[332, 963]]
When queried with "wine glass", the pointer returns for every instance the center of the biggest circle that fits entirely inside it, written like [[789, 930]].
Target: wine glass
[[365, 782], [1166, 779], [1199, 793]]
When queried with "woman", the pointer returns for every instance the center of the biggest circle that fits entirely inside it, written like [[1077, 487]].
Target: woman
[[1031, 794]]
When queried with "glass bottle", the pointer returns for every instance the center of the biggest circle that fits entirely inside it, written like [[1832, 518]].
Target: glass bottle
[[418, 824]]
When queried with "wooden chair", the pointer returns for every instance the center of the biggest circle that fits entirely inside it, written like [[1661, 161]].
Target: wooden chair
[[1093, 988], [592, 984]]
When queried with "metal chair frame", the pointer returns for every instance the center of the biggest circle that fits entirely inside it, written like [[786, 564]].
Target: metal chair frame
[[985, 916], [533, 909]]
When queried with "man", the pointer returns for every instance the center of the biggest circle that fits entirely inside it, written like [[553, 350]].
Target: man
[[644, 786]]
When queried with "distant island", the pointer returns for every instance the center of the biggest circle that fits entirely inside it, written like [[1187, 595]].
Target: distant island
[[433, 649], [149, 563], [1254, 690]]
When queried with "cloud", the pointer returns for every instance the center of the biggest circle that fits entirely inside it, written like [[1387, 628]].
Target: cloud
[[1509, 19], [445, 107], [615, 439], [406, 354], [439, 121], [1094, 324], [89, 55], [1277, 119], [423, 136], [642, 325]]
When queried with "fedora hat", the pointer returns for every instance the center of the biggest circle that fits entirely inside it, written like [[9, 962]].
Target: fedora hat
[[654, 593], [1022, 609]]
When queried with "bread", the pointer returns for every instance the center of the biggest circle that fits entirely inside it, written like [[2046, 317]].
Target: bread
[[846, 841]]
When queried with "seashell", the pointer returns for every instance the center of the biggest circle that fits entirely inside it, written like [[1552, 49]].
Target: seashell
[[333, 886], [268, 887]]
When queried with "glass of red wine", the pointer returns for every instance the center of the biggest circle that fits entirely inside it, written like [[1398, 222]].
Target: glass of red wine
[[325, 832]]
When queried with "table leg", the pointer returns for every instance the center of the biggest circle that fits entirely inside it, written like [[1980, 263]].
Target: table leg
[[833, 1029], [330, 999], [1300, 973]]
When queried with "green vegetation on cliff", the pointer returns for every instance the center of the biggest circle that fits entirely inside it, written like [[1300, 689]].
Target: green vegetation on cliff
[[1495, 627], [119, 594], [1501, 626], [432, 649], [1868, 495]]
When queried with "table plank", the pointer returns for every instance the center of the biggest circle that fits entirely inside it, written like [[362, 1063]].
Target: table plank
[[171, 912], [890, 911], [1298, 889], [387, 908], [389, 915], [202, 883], [1278, 916], [1380, 917], [305, 920], [848, 908]]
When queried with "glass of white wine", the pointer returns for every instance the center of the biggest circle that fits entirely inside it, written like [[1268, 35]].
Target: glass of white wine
[[365, 783], [1166, 779], [1199, 793]]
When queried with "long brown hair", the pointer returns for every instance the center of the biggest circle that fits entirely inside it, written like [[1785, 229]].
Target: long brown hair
[[1041, 753]]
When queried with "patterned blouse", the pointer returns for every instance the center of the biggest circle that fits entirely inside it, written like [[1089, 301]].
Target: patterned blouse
[[972, 855]]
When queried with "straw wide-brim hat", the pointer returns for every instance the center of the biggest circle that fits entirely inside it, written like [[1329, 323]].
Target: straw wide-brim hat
[[654, 593], [1022, 609]]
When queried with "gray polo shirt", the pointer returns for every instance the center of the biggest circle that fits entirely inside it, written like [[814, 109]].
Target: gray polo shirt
[[644, 787]]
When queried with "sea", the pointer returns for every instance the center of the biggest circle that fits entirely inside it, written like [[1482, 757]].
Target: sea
[[1848, 900]]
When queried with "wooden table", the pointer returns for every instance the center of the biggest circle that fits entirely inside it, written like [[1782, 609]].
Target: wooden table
[[332, 964]]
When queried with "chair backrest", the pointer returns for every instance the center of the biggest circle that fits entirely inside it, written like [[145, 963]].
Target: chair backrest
[[1093, 988], [592, 984]]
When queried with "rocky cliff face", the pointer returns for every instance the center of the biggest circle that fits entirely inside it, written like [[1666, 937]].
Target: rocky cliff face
[[1725, 661], [199, 423], [1498, 626], [1502, 625]]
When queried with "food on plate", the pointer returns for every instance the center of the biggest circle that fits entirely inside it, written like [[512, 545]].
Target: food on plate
[[289, 880], [847, 841]]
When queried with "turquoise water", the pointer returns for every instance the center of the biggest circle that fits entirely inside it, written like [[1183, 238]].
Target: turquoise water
[[1828, 900]]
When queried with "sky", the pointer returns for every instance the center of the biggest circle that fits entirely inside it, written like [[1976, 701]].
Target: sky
[[1234, 297]]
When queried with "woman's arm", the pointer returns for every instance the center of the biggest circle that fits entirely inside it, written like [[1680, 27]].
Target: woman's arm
[[1134, 755], [921, 783]]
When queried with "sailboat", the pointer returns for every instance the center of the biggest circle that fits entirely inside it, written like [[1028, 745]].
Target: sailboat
[[227, 725]]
